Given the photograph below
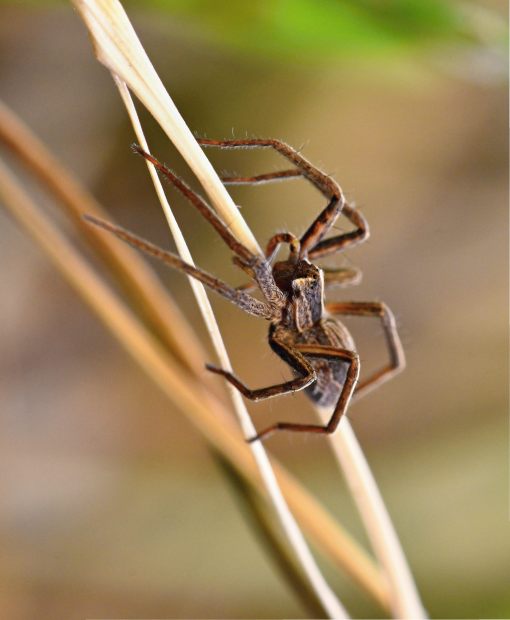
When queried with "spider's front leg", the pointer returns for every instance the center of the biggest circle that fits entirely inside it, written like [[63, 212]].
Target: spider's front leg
[[312, 242], [240, 298]]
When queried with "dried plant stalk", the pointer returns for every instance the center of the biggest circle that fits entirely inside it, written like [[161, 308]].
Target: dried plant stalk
[[406, 602], [269, 535], [295, 537], [118, 48], [139, 281]]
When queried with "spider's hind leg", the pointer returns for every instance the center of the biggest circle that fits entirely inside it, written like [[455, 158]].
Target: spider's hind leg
[[342, 276], [397, 358]]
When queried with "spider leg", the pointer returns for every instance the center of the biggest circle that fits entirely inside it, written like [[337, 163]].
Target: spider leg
[[239, 298], [271, 250], [255, 265], [397, 358], [324, 183], [316, 350], [342, 276], [260, 179], [349, 239], [293, 358], [275, 242], [197, 201]]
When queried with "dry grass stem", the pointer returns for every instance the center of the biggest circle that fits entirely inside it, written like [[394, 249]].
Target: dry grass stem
[[406, 602], [268, 532], [288, 523], [118, 48], [138, 280], [182, 248]]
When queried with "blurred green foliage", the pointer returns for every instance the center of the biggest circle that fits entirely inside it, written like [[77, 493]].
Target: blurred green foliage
[[312, 29], [315, 30]]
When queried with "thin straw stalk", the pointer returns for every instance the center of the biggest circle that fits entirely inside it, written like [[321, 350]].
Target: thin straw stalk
[[296, 539], [118, 48], [138, 280], [268, 533], [406, 601]]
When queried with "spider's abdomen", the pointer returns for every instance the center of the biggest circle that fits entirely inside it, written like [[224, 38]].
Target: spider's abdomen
[[331, 373]]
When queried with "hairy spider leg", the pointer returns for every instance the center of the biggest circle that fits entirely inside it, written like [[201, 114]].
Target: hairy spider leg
[[342, 276], [397, 360], [254, 265], [274, 243], [293, 357], [328, 246], [338, 243], [260, 179], [200, 204], [239, 298], [316, 350], [311, 243]]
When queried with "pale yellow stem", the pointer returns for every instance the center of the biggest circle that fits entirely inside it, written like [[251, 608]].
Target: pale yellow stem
[[294, 535], [139, 280]]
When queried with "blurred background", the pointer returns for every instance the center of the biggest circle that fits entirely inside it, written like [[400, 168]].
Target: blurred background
[[112, 505]]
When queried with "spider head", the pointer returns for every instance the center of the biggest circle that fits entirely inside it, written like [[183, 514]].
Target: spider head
[[303, 284], [297, 277]]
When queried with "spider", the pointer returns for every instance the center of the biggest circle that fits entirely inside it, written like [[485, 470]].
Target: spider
[[304, 331]]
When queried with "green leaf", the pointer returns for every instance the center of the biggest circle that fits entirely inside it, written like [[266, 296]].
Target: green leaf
[[322, 29]]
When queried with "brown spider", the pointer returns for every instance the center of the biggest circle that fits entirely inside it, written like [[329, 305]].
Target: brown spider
[[303, 331]]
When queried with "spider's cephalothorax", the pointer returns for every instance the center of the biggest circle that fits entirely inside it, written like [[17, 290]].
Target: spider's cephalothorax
[[303, 329], [303, 285], [303, 323]]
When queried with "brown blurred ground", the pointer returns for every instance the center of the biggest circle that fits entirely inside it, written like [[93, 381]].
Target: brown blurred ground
[[111, 504]]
